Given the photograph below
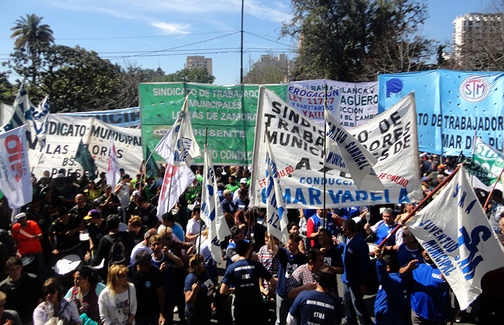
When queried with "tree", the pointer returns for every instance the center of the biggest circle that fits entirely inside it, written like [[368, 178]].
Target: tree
[[352, 40], [7, 90], [32, 36], [199, 75], [79, 80]]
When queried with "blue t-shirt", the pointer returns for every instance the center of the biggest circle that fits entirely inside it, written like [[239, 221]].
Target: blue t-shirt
[[391, 303], [404, 255], [382, 232], [204, 297], [355, 261], [244, 276], [288, 263], [429, 293], [314, 307]]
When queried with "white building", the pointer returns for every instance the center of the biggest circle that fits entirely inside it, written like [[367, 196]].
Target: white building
[[195, 62], [476, 32]]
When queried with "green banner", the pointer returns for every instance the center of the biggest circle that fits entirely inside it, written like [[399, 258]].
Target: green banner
[[229, 113], [486, 163]]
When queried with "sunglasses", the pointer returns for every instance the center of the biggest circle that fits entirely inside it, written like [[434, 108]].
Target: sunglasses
[[49, 292]]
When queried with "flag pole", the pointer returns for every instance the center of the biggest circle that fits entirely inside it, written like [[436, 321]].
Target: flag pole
[[201, 220], [420, 205], [325, 153], [493, 188]]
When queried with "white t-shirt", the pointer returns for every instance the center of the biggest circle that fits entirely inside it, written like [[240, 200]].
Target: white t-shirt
[[115, 309], [193, 228], [124, 195]]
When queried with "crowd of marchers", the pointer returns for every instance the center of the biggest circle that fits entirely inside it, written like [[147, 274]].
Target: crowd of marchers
[[84, 252]]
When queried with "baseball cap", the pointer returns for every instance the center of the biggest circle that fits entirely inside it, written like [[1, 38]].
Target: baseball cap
[[92, 214], [243, 181], [20, 216]]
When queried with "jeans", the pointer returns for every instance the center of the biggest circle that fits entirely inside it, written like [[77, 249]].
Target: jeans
[[354, 305]]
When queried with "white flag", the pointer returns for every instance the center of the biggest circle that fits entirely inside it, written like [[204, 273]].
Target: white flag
[[15, 177], [113, 174], [348, 155], [175, 181], [180, 139], [276, 213], [211, 210], [455, 232]]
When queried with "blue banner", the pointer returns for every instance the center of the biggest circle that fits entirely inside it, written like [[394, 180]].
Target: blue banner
[[125, 117], [452, 106]]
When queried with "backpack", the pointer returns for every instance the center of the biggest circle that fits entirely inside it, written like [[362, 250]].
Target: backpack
[[117, 253]]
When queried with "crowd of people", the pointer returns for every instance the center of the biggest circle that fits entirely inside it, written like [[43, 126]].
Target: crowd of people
[[87, 252]]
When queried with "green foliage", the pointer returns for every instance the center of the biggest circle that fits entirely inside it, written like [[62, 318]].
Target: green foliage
[[265, 75], [199, 75], [79, 80], [7, 91], [352, 40]]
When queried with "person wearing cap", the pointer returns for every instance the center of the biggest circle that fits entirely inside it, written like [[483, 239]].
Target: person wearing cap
[[64, 234], [243, 186], [97, 228], [123, 192], [26, 235]]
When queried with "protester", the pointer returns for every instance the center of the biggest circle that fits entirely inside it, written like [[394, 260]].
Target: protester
[[355, 275], [318, 306], [7, 316], [55, 305], [85, 293], [118, 301], [148, 282], [198, 290], [23, 290], [382, 229], [244, 275]]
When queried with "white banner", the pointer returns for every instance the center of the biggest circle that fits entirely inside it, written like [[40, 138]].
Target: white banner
[[345, 153], [312, 102], [175, 181], [358, 101], [276, 213], [298, 144], [63, 135], [15, 177], [455, 232], [211, 210]]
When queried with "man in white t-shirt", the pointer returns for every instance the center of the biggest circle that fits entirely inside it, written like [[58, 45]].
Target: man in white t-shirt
[[193, 225], [122, 190]]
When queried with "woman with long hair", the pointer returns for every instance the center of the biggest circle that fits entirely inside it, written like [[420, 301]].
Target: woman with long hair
[[85, 293], [55, 307], [117, 302]]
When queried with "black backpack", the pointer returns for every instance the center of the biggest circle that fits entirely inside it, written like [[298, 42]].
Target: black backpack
[[117, 253]]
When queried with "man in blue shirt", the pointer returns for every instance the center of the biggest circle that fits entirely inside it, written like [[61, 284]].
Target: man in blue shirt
[[391, 303], [244, 275], [355, 274], [317, 306], [382, 228], [430, 300]]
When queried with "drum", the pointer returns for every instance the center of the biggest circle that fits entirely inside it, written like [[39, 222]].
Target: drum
[[67, 264]]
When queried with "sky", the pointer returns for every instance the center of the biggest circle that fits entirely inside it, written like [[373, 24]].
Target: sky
[[162, 33]]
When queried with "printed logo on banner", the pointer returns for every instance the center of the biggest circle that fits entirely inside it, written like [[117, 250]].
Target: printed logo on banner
[[474, 89], [394, 86]]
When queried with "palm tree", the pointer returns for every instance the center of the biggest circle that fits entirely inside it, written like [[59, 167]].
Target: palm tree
[[31, 35]]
